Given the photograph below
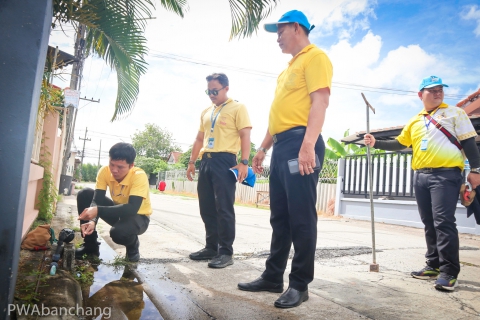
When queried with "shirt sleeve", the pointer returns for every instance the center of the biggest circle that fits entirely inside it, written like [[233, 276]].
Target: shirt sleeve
[[463, 126], [202, 128], [318, 73], [140, 186], [405, 136], [102, 177], [242, 119]]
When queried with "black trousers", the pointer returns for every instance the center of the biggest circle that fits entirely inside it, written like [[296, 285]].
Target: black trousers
[[293, 213], [216, 196], [124, 231], [437, 197]]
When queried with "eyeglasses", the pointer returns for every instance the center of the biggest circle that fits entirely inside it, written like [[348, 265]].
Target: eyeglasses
[[214, 91], [435, 91]]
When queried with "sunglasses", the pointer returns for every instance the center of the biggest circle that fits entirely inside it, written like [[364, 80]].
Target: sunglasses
[[213, 92], [435, 91]]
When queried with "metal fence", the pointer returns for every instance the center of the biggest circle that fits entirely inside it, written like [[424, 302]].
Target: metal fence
[[392, 175]]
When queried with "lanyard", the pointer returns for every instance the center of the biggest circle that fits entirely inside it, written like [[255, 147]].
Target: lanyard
[[214, 120], [430, 121]]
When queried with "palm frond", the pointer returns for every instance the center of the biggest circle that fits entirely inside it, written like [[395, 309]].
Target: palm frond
[[247, 15], [177, 6]]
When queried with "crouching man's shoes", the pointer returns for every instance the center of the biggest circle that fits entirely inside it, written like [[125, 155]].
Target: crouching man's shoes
[[261, 285], [204, 254], [291, 298], [221, 261]]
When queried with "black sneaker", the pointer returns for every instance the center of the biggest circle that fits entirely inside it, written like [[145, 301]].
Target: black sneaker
[[446, 282], [204, 254], [426, 273], [221, 261]]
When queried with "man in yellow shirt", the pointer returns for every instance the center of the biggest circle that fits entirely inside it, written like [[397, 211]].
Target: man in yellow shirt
[[296, 119], [438, 164], [224, 130], [127, 211]]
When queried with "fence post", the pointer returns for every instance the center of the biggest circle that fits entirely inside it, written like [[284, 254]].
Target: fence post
[[338, 191]]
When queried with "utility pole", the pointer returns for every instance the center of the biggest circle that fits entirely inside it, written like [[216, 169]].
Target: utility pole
[[83, 150], [71, 112], [99, 151]]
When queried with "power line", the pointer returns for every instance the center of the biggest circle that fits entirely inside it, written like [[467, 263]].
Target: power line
[[350, 86]]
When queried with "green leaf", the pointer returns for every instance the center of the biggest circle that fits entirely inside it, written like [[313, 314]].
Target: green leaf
[[329, 154], [337, 147]]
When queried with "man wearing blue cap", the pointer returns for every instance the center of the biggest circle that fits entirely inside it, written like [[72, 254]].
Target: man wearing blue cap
[[296, 118], [437, 135]]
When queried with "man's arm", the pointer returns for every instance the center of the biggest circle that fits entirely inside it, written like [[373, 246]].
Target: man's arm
[[260, 156], [121, 210], [245, 153], [197, 146], [316, 118]]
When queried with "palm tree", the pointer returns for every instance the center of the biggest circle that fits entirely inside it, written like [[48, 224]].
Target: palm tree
[[115, 32]]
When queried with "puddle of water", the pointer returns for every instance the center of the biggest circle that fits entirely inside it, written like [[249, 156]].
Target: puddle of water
[[118, 289]]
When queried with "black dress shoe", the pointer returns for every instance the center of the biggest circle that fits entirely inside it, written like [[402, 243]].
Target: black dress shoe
[[261, 285], [291, 298], [204, 254], [221, 261]]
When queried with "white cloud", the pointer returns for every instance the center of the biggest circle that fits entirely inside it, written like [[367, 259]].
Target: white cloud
[[472, 13]]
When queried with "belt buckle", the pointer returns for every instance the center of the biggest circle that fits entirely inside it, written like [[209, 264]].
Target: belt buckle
[[209, 155], [427, 170], [275, 138]]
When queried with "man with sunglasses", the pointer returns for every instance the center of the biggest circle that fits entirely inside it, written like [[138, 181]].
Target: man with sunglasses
[[127, 211], [296, 118], [224, 130], [437, 135]]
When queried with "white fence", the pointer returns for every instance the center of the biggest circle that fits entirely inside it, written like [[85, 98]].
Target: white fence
[[176, 181]]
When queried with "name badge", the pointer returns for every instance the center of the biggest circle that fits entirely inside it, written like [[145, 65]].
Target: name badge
[[424, 145], [211, 142]]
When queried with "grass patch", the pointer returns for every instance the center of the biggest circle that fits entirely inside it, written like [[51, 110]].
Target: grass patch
[[84, 274], [39, 222], [154, 191]]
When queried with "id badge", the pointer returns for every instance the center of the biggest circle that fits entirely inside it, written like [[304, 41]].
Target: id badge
[[424, 145], [211, 142]]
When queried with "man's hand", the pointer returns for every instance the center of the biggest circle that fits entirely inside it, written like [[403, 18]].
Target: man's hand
[[88, 213], [88, 228], [306, 159], [257, 162], [242, 171], [369, 140], [474, 179], [191, 171]]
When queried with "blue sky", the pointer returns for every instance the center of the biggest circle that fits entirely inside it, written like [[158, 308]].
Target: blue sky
[[378, 44]]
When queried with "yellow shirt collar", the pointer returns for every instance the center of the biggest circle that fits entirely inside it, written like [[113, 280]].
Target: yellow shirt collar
[[310, 46], [441, 106], [126, 180]]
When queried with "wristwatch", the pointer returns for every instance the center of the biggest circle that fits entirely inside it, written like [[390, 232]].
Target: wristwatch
[[191, 162], [475, 170], [262, 149], [244, 161]]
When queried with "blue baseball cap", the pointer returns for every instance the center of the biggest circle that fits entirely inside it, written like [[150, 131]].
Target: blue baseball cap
[[249, 180], [290, 17], [430, 82]]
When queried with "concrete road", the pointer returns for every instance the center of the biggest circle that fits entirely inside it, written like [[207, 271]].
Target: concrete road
[[343, 287]]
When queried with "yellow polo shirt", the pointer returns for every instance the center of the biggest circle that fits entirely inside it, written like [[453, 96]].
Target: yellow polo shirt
[[135, 183], [229, 118], [441, 152], [307, 72]]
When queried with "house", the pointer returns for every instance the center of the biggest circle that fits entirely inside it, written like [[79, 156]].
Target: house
[[49, 132], [174, 157]]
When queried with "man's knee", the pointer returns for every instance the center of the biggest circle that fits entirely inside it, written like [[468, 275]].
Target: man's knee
[[86, 194]]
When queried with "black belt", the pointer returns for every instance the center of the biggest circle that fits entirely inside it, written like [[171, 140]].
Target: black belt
[[209, 155], [433, 170], [282, 135]]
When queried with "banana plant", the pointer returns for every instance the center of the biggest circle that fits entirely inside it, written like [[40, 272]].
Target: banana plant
[[337, 150]]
